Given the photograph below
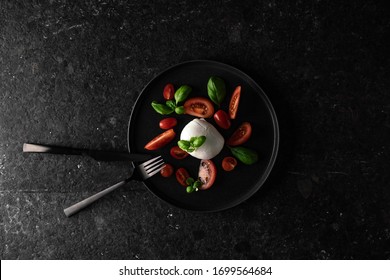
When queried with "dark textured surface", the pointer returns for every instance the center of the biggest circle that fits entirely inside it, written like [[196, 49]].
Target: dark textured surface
[[70, 73]]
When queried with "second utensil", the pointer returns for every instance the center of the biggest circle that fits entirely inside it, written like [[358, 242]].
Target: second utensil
[[95, 154]]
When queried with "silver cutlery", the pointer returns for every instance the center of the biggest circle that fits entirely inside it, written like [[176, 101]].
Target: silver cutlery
[[95, 154], [141, 172]]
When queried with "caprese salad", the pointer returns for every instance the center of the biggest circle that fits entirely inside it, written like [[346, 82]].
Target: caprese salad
[[199, 138]]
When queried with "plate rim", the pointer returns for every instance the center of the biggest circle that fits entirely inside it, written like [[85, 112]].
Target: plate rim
[[275, 124]]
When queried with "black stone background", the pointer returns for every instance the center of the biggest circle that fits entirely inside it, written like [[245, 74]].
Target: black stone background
[[70, 72]]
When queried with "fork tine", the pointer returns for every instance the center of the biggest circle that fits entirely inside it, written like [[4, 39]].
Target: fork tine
[[150, 161], [156, 170], [152, 165]]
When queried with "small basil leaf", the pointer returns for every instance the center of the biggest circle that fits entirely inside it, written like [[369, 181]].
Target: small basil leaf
[[199, 141], [171, 104], [190, 181], [184, 145], [197, 184], [216, 90], [189, 189], [161, 108], [179, 110], [182, 93], [245, 155]]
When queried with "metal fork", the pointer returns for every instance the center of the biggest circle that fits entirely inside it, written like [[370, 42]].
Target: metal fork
[[141, 173]]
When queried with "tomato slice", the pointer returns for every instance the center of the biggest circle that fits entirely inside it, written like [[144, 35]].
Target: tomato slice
[[167, 170], [169, 92], [182, 176], [167, 123], [199, 107], [222, 119], [207, 173], [234, 101], [161, 140], [229, 163], [241, 135], [178, 153]]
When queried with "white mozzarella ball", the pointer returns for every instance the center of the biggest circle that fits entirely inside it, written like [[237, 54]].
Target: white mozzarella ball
[[214, 140]]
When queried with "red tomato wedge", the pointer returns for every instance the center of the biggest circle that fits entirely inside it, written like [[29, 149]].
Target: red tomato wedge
[[222, 119], [178, 153], [161, 140], [241, 135], [167, 123], [199, 107], [229, 163], [182, 176], [167, 170], [169, 92], [207, 173], [234, 101]]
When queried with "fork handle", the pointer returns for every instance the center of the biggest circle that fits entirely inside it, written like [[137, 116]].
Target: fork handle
[[84, 203]]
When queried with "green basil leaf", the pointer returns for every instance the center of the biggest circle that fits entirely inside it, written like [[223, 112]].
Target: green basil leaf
[[198, 141], [182, 93], [194, 143], [216, 90], [197, 184], [179, 110], [189, 189], [161, 108], [184, 145], [171, 104], [245, 155], [190, 181]]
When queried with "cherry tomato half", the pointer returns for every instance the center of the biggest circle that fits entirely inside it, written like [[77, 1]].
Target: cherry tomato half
[[234, 101], [207, 173], [229, 163], [182, 176], [222, 119], [167, 123], [167, 170], [241, 135], [169, 92], [199, 107], [178, 153], [161, 140]]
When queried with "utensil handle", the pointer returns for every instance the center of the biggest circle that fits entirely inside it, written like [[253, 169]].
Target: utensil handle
[[37, 148], [84, 203], [95, 154]]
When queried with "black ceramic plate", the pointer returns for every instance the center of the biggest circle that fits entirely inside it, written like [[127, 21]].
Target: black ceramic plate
[[230, 188]]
